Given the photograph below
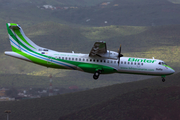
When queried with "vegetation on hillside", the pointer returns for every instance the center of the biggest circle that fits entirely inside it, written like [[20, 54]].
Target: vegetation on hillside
[[120, 12], [69, 78], [175, 1], [54, 2]]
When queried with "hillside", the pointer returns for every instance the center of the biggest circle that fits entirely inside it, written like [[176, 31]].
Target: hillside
[[139, 96], [160, 103], [53, 2], [63, 79], [154, 101], [120, 12], [92, 13]]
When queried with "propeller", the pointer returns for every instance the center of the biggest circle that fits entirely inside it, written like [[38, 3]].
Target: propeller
[[119, 55]]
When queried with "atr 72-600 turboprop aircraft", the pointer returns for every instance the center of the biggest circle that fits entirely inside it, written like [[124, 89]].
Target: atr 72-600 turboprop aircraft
[[98, 61]]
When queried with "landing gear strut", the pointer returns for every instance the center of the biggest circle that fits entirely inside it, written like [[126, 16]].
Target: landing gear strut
[[96, 74], [163, 79]]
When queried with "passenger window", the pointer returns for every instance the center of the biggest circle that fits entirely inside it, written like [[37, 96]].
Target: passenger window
[[76, 59], [124, 62], [97, 60], [114, 61], [94, 60], [121, 62], [59, 57], [107, 61], [131, 63], [141, 63], [72, 58], [111, 61], [83, 59], [86, 59], [138, 63], [63, 58], [100, 60], [79, 59], [66, 58], [134, 63], [104, 60], [69, 58], [128, 63]]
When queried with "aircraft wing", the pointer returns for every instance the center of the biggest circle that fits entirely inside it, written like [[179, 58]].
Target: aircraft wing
[[98, 48]]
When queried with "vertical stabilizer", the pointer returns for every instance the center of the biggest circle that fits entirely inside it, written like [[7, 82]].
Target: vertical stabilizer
[[19, 41]]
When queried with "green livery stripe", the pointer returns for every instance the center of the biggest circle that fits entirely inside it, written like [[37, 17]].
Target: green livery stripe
[[39, 61], [15, 49], [38, 54], [167, 66], [18, 33]]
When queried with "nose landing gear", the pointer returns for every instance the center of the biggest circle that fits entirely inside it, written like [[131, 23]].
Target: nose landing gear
[[163, 79]]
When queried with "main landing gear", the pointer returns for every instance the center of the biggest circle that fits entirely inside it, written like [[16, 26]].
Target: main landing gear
[[96, 74]]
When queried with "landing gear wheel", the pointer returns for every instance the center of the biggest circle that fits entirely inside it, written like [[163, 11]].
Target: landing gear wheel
[[163, 80], [96, 75]]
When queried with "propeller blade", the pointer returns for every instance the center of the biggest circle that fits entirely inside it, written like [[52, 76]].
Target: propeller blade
[[118, 60], [119, 55]]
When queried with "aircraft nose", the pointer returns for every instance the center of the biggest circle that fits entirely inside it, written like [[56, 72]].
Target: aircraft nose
[[172, 71]]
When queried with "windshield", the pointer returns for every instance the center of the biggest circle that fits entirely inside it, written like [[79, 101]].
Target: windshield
[[162, 63]]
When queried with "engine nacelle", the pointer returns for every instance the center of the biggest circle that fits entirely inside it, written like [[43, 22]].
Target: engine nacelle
[[110, 55]]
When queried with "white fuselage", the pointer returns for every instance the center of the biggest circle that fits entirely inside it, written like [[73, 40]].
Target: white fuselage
[[127, 64]]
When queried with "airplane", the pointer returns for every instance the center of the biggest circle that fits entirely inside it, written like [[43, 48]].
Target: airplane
[[98, 61]]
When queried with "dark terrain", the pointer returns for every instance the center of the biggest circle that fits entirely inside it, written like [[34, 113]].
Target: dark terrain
[[146, 99], [153, 102]]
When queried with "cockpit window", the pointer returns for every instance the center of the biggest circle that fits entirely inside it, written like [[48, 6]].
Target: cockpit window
[[162, 63]]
